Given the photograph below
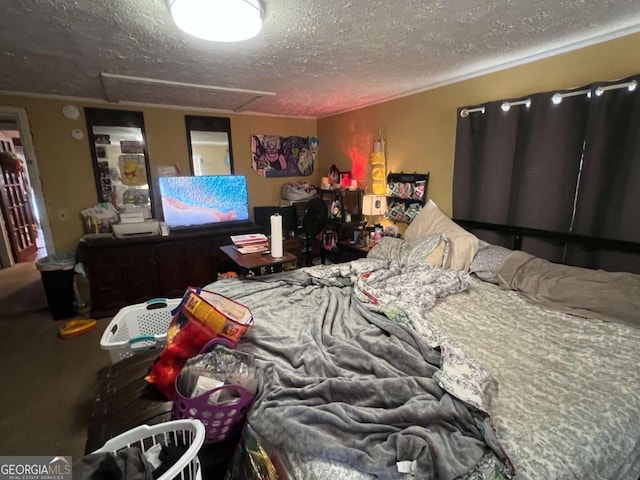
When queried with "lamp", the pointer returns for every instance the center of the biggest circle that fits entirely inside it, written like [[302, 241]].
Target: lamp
[[379, 186], [373, 206], [218, 20]]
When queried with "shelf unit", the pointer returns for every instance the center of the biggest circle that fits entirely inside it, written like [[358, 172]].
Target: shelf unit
[[395, 183], [349, 202], [348, 206]]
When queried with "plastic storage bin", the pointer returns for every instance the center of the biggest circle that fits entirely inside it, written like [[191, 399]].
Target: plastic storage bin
[[138, 328], [220, 420], [188, 432], [57, 272]]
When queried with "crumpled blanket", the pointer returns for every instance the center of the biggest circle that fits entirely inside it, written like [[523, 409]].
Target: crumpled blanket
[[402, 291], [340, 381], [399, 284]]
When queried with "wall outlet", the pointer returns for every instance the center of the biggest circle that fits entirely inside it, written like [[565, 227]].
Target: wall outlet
[[63, 214]]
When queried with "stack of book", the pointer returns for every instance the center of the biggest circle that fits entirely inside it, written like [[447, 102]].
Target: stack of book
[[250, 243]]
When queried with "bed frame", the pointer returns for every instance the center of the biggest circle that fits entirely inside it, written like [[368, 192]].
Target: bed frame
[[625, 254]]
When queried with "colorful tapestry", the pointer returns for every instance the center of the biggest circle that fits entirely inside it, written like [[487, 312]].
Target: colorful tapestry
[[275, 156]]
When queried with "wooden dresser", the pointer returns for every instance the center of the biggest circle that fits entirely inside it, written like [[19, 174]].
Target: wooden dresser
[[127, 271]]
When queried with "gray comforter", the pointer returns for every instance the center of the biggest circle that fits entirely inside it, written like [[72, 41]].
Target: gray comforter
[[567, 405], [342, 382], [612, 296]]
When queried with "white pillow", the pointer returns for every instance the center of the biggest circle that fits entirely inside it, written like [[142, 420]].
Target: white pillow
[[462, 244]]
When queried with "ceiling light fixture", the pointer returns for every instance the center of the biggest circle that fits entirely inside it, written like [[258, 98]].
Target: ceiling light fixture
[[218, 20]]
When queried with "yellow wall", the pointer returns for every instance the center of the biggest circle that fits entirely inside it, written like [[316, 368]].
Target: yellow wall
[[65, 164], [213, 159], [419, 130]]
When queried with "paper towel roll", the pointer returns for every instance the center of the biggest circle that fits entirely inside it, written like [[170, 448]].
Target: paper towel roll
[[276, 236]]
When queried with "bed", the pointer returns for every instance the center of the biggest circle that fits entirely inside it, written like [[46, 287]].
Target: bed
[[393, 366]]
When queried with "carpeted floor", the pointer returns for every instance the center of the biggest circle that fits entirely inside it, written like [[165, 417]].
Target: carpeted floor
[[46, 383], [21, 289]]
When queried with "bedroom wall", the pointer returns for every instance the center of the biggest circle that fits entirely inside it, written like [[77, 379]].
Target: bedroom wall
[[419, 130], [65, 164], [213, 158]]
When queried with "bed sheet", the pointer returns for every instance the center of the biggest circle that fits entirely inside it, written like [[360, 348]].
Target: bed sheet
[[567, 403]]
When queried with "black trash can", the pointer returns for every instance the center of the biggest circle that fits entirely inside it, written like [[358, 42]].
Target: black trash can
[[57, 271]]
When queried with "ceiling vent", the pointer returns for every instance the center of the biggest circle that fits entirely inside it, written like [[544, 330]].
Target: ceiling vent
[[124, 88]]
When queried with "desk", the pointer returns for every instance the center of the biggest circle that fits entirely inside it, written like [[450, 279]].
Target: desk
[[255, 262]]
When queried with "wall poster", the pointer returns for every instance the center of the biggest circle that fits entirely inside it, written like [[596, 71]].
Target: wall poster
[[275, 156]]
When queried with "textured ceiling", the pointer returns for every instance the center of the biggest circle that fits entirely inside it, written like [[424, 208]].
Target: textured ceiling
[[313, 58]]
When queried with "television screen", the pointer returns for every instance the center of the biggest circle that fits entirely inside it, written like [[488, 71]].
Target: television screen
[[204, 200]]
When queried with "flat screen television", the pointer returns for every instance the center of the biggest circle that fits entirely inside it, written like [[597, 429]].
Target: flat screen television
[[197, 202]]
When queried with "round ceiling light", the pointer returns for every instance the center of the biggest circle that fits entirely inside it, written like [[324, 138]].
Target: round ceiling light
[[218, 20]]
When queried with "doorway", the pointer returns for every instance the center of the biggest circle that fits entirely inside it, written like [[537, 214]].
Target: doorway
[[15, 135]]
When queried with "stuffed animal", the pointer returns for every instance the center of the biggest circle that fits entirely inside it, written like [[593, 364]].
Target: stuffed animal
[[132, 171]]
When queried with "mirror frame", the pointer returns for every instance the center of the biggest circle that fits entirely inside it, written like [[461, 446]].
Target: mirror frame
[[208, 124], [103, 117]]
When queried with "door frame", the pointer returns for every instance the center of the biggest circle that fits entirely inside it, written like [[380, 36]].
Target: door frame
[[20, 116]]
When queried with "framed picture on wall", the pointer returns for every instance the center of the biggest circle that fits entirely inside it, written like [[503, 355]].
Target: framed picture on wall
[[276, 156]]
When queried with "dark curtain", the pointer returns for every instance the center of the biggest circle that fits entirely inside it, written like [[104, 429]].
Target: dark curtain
[[608, 203], [485, 146], [546, 163], [604, 258], [520, 167], [534, 167]]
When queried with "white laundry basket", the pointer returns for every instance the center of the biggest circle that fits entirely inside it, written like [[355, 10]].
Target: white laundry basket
[[189, 432], [138, 328]]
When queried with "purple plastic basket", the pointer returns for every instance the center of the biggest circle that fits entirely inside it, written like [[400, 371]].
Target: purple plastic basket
[[219, 420]]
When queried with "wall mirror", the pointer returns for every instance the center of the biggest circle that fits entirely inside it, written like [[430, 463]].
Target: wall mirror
[[120, 159], [209, 141]]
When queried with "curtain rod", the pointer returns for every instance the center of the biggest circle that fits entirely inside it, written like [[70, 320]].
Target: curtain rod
[[556, 98], [631, 86], [506, 106], [466, 111]]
